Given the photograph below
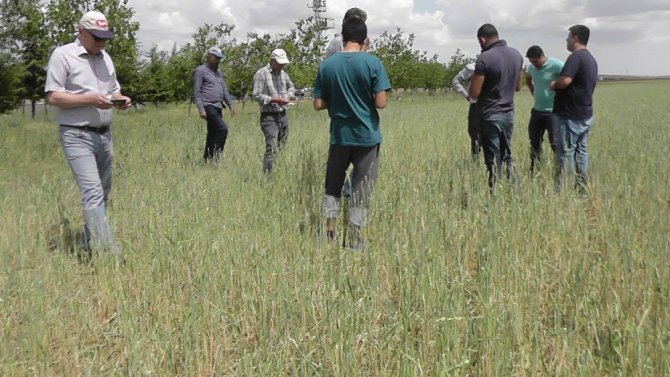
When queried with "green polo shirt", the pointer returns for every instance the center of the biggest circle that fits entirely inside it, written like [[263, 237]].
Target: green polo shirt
[[542, 77], [348, 82]]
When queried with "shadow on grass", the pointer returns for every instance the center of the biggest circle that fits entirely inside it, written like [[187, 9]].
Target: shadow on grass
[[66, 238]]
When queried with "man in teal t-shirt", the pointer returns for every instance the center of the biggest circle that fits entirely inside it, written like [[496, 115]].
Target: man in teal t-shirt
[[352, 85], [542, 71]]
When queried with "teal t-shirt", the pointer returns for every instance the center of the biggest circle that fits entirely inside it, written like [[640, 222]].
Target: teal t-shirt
[[347, 82], [550, 71]]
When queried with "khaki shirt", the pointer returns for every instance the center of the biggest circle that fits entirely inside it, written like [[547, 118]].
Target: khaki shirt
[[72, 70]]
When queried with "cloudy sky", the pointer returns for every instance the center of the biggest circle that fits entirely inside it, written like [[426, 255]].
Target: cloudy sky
[[627, 37]]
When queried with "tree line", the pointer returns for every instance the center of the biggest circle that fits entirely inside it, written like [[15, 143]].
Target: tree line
[[31, 29]]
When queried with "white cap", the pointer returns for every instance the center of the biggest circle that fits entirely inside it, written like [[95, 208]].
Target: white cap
[[215, 51], [279, 56], [96, 23]]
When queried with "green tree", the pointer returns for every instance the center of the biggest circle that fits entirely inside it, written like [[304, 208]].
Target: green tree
[[395, 51], [305, 46], [24, 40], [455, 65], [243, 60], [10, 80]]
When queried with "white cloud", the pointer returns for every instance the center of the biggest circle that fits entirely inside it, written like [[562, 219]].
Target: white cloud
[[440, 26]]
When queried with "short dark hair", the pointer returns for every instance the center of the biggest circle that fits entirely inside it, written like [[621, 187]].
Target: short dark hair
[[354, 30], [534, 52], [487, 31], [355, 13], [581, 32]]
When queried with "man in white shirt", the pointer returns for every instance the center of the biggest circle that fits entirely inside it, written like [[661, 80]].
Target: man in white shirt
[[461, 84], [81, 83]]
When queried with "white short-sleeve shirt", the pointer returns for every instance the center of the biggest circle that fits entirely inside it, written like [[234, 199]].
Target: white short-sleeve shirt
[[72, 70]]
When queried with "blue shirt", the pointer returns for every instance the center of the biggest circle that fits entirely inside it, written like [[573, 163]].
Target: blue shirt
[[501, 67], [576, 101], [348, 82], [209, 88]]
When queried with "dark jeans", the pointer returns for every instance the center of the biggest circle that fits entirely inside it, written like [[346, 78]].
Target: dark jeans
[[217, 133], [363, 177], [473, 128], [496, 131], [275, 130], [541, 121]]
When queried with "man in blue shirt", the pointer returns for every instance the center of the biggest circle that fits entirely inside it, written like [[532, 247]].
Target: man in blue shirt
[[497, 77], [541, 72], [210, 94], [574, 105], [351, 85]]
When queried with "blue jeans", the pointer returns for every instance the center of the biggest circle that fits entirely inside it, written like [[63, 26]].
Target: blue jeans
[[90, 156], [574, 154], [496, 132]]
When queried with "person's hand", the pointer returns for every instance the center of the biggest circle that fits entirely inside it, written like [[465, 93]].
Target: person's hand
[[100, 101], [203, 115], [127, 104], [280, 101], [232, 112]]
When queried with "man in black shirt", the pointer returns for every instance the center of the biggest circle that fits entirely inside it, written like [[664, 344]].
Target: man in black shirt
[[497, 77], [573, 105]]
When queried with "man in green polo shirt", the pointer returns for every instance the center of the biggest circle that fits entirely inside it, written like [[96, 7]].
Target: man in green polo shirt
[[541, 72], [352, 85]]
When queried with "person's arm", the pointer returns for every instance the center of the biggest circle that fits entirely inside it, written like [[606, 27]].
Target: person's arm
[[58, 96], [290, 88], [258, 91], [381, 99], [519, 81], [226, 97], [476, 83], [529, 83], [197, 93], [568, 71], [459, 79], [116, 94], [561, 83], [66, 100]]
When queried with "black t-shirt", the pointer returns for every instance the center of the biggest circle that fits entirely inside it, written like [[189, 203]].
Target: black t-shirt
[[576, 101], [501, 67]]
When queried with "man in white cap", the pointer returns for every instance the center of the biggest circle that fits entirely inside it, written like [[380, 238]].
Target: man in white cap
[[210, 94], [81, 82], [273, 90]]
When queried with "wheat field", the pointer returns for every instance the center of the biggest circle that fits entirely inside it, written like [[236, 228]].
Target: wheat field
[[225, 274]]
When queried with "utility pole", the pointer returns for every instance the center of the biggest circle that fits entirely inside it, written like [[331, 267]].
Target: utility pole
[[322, 23]]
